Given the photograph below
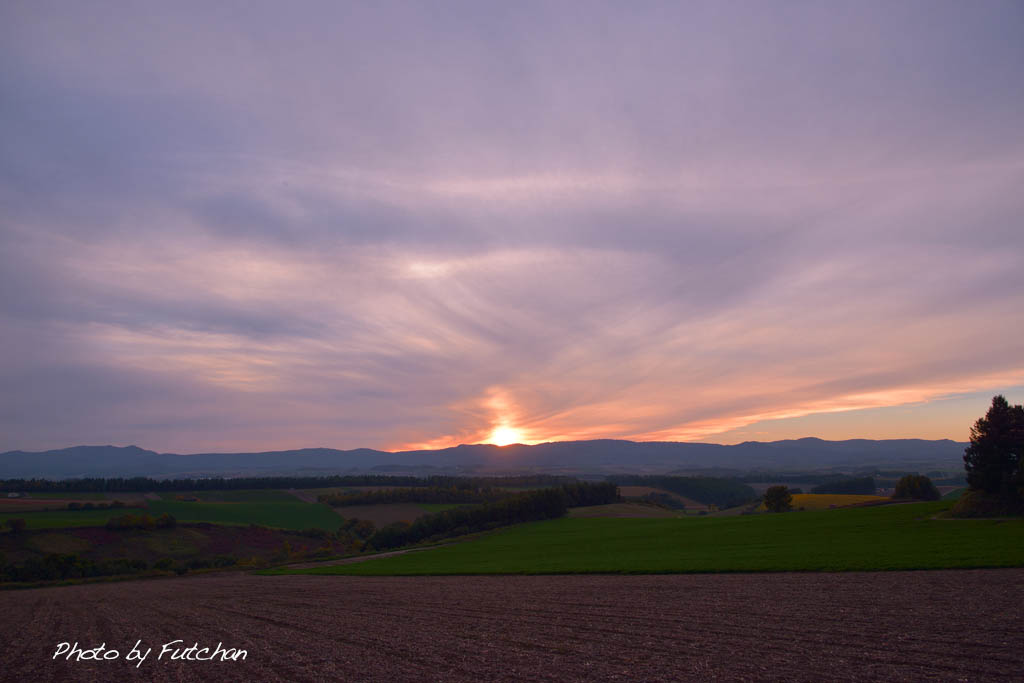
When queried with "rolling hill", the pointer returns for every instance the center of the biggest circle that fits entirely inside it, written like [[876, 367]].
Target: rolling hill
[[569, 457]]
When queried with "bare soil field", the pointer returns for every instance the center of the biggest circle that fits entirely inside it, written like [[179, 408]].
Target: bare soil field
[[382, 514], [640, 491], [940, 625], [35, 504], [633, 510], [186, 541], [29, 504]]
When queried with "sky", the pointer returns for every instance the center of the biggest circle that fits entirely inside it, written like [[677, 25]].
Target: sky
[[252, 226]]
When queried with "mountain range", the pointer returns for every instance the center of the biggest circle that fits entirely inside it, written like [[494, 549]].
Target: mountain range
[[568, 457]]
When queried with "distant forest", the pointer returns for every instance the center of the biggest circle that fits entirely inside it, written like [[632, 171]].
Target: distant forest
[[97, 484]]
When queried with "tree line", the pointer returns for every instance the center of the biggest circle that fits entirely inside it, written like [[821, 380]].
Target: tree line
[[62, 567], [419, 494], [56, 567], [515, 509], [142, 484]]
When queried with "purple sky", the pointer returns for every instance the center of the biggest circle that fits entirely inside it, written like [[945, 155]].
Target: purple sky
[[235, 226]]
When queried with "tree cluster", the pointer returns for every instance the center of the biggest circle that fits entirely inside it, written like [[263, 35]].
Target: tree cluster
[[142, 521], [917, 487], [778, 499]]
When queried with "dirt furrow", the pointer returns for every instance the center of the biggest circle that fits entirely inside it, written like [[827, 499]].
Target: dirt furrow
[[734, 627]]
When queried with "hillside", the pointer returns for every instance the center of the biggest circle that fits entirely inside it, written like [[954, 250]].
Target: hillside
[[571, 457]]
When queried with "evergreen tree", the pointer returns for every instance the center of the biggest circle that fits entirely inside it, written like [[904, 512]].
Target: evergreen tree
[[993, 460]]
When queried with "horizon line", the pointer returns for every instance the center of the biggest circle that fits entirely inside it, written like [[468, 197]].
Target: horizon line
[[463, 445]]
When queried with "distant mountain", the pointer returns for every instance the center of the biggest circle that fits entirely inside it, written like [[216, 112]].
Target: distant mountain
[[570, 457]]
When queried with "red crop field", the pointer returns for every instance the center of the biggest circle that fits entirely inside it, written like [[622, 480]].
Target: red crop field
[[943, 625]]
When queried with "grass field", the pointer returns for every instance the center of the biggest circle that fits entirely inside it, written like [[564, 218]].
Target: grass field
[[873, 538], [293, 515], [56, 519]]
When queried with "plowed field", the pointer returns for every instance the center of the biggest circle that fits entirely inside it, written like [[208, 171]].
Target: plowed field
[[945, 625]]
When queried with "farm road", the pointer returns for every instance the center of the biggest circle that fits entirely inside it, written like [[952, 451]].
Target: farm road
[[939, 625]]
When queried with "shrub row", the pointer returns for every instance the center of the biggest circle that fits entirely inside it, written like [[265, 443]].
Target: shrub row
[[143, 521], [95, 506], [56, 567]]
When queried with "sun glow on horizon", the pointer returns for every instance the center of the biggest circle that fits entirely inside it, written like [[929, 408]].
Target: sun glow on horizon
[[503, 435]]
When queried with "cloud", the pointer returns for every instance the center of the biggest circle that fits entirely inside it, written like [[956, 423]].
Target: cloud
[[244, 227]]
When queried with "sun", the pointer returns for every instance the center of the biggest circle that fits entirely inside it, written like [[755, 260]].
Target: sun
[[504, 435]]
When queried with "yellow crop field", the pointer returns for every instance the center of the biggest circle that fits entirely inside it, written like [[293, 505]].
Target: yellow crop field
[[824, 501]]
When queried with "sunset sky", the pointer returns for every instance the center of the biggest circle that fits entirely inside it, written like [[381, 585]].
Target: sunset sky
[[253, 226]]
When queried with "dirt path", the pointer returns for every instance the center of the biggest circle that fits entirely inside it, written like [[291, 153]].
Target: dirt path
[[891, 626], [304, 496]]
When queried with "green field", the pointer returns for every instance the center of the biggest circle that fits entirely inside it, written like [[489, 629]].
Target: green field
[[875, 538], [56, 519], [294, 515], [240, 496]]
